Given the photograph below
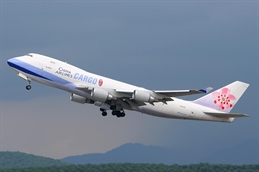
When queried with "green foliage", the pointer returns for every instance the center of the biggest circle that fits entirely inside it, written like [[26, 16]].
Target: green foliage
[[22, 162], [128, 167], [18, 159]]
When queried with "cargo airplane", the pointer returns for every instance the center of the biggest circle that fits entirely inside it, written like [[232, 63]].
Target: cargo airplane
[[108, 94]]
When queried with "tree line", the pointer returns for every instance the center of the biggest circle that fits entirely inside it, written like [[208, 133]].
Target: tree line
[[19, 160], [128, 167]]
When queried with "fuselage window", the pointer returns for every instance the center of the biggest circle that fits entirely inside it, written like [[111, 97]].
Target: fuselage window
[[29, 55]]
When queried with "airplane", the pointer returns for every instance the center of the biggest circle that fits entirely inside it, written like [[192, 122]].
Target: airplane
[[108, 94]]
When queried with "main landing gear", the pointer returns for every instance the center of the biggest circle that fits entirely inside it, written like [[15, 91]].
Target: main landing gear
[[118, 113], [115, 112], [104, 113]]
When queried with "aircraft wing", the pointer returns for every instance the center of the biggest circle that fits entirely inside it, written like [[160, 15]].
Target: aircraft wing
[[177, 93], [140, 97], [171, 93]]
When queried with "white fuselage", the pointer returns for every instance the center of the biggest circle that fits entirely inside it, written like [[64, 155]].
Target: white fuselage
[[61, 75]]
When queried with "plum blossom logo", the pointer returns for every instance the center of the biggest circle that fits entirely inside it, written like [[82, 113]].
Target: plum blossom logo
[[100, 83], [223, 99]]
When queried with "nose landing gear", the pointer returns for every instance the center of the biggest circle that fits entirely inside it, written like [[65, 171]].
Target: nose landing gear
[[28, 87]]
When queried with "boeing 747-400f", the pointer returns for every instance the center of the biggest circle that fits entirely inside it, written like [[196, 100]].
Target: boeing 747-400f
[[109, 94]]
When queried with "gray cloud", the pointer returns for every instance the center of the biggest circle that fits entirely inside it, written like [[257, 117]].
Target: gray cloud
[[158, 45], [54, 127]]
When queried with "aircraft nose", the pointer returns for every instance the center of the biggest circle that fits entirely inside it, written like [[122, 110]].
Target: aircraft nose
[[13, 62], [10, 62]]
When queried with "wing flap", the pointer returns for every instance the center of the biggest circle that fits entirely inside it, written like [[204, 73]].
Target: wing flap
[[226, 115]]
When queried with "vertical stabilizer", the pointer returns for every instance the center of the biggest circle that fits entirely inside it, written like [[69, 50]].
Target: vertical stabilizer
[[225, 98]]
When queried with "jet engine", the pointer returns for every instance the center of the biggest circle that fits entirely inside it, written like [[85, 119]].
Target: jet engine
[[101, 95], [143, 96], [80, 99]]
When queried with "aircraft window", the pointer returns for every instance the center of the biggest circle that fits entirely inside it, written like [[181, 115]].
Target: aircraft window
[[29, 55]]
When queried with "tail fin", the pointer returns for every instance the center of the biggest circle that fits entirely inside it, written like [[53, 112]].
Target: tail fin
[[225, 98]]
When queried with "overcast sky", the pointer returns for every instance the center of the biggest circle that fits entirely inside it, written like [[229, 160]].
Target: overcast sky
[[157, 45]]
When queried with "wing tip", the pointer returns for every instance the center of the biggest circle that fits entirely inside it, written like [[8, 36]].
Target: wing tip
[[208, 89]]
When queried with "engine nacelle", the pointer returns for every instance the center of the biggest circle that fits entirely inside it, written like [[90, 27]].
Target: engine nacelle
[[101, 95], [77, 98], [142, 96], [80, 99]]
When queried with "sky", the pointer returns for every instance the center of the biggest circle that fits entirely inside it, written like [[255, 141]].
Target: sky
[[153, 44]]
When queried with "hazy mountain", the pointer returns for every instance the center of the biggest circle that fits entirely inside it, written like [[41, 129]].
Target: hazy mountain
[[130, 153], [245, 153], [19, 159]]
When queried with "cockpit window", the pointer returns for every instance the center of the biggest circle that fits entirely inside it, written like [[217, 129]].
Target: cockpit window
[[29, 55]]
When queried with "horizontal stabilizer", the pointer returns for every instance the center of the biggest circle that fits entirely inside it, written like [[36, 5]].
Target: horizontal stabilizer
[[226, 115]]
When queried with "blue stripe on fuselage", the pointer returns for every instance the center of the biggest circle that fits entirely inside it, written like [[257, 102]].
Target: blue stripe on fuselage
[[32, 70]]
